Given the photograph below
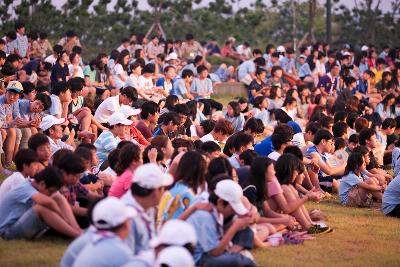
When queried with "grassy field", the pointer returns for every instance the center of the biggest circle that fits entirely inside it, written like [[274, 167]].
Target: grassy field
[[362, 237]]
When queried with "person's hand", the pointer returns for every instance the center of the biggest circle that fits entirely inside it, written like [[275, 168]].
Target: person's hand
[[9, 118], [314, 196], [152, 155], [241, 223], [289, 220], [19, 122], [72, 134], [66, 131]]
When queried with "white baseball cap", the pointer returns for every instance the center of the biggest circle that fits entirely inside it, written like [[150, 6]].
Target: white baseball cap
[[150, 176], [15, 86], [175, 232], [175, 257], [129, 111], [281, 49], [171, 56], [118, 118], [111, 212], [231, 192], [49, 121], [364, 48]]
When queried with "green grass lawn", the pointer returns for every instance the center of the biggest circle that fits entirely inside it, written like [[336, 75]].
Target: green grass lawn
[[362, 237]]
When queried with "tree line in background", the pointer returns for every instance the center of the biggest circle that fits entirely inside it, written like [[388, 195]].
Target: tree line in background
[[101, 28]]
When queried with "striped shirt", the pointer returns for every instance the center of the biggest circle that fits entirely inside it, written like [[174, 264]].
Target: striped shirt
[[104, 144]]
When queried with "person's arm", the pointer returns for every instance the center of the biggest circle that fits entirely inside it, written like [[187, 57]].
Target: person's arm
[[237, 225], [47, 202], [370, 187], [198, 206], [289, 207], [326, 167]]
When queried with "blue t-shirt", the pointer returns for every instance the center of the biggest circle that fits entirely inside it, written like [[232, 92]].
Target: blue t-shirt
[[15, 204], [178, 88], [391, 197], [362, 87], [264, 147], [182, 197], [76, 247], [208, 231], [346, 184], [104, 251], [24, 110], [201, 86]]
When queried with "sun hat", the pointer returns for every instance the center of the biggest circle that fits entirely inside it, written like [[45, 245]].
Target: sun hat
[[150, 176], [175, 232], [232, 193], [49, 121]]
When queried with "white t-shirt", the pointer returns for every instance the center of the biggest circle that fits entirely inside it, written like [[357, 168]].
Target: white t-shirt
[[274, 155], [107, 108], [208, 137], [72, 69], [132, 81], [116, 71], [298, 140], [12, 181], [56, 107], [51, 59]]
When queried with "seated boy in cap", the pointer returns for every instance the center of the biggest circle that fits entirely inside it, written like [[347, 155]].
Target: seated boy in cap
[[9, 113], [52, 127], [28, 210], [147, 187], [212, 239], [112, 220]]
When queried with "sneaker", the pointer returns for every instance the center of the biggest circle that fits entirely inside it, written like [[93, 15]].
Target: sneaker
[[316, 229], [10, 166]]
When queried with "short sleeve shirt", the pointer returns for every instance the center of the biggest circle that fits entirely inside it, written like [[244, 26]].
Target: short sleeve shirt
[[24, 110], [15, 204], [10, 183], [346, 184], [201, 86], [107, 108], [56, 107], [7, 110], [391, 197], [245, 68], [179, 88], [59, 73], [105, 143], [76, 247], [144, 129]]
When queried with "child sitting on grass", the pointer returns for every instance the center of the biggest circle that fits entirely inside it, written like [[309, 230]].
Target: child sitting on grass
[[353, 190], [27, 211]]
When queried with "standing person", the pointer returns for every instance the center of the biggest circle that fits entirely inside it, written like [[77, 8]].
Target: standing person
[[22, 41], [202, 90]]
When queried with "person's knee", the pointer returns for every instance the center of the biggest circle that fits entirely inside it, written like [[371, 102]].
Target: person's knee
[[11, 133]]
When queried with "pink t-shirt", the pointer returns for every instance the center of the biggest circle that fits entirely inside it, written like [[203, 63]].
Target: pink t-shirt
[[274, 188], [121, 185]]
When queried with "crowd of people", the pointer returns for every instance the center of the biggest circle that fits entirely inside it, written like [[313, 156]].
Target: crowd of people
[[130, 154]]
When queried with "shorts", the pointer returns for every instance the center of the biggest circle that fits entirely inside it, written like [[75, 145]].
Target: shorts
[[357, 197], [28, 226]]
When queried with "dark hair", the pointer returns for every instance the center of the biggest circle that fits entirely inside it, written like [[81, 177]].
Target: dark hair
[[351, 118], [160, 141], [281, 116], [241, 140], [76, 84], [37, 140], [130, 93], [280, 138], [361, 149], [289, 100], [275, 68], [285, 166], [28, 87], [208, 125], [340, 116], [182, 109], [127, 155], [354, 139], [365, 135], [70, 163], [148, 107], [145, 155], [137, 190], [257, 176], [248, 156], [201, 68], [322, 134], [313, 127], [45, 99], [187, 73], [191, 170], [339, 143], [171, 116], [388, 123], [76, 49], [84, 153], [260, 71], [171, 101], [120, 58], [254, 125], [25, 157], [218, 166], [236, 108], [360, 123], [294, 150], [259, 61], [60, 87], [339, 129], [19, 25], [354, 163], [149, 68], [258, 100], [87, 145], [325, 121], [210, 146], [51, 177]]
